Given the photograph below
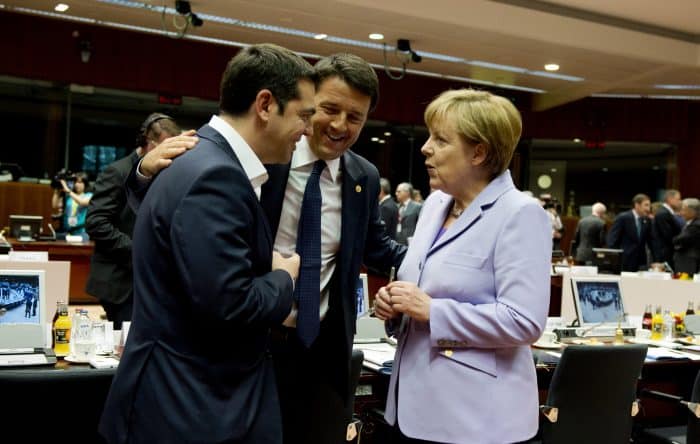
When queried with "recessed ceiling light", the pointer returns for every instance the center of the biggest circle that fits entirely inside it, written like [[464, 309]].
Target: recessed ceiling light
[[375, 139], [387, 133], [382, 141], [61, 7], [577, 140], [321, 36], [376, 36], [604, 169], [551, 67], [655, 167], [554, 170]]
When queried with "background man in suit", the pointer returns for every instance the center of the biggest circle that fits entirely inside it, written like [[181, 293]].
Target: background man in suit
[[110, 223], [313, 380], [665, 227], [631, 231], [207, 285], [687, 243], [590, 233], [409, 210], [388, 210]]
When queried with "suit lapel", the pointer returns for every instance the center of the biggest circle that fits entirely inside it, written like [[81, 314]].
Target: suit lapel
[[272, 194], [354, 188]]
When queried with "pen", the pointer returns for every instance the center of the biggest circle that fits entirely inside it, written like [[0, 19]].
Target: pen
[[392, 274]]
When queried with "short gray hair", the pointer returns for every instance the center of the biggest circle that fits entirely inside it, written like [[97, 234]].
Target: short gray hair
[[692, 204]]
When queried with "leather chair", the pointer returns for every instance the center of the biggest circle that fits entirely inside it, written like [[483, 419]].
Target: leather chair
[[592, 395], [54, 405], [685, 434]]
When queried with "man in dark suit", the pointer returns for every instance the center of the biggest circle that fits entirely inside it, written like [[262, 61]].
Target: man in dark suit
[[590, 233], [687, 243], [313, 380], [388, 210], [631, 231], [207, 285], [665, 227], [110, 223], [409, 210]]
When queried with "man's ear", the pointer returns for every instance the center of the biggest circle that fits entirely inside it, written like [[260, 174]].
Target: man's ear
[[264, 104], [479, 156]]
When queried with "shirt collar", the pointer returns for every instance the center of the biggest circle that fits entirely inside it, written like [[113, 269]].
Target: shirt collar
[[304, 156], [254, 169]]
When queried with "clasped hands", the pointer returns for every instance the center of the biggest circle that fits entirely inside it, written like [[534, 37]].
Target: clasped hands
[[402, 297]]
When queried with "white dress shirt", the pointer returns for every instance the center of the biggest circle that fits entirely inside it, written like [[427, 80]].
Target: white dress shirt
[[331, 192]]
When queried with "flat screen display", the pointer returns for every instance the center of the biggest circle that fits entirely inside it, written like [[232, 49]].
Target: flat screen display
[[598, 300]]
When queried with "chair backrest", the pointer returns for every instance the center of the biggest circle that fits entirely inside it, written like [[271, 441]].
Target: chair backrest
[[593, 388], [55, 405], [694, 421]]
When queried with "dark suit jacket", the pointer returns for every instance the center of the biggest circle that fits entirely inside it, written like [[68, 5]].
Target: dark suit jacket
[[110, 224], [623, 234], [664, 228], [195, 367], [590, 233], [389, 212], [687, 248], [408, 221], [362, 240]]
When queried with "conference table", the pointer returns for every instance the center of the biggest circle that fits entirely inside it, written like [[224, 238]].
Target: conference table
[[669, 376]]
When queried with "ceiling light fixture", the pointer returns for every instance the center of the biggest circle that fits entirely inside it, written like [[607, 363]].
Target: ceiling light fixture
[[321, 36], [376, 36], [61, 7], [551, 67], [405, 55]]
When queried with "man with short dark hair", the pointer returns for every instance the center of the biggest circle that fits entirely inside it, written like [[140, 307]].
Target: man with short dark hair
[[207, 285], [631, 231]]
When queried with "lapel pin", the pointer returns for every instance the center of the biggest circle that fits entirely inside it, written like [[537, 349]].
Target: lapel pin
[[358, 188]]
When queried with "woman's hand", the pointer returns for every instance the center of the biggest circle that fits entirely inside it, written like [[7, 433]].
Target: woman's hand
[[382, 305], [406, 297]]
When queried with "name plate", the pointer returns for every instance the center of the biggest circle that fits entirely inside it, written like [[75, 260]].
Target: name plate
[[29, 256]]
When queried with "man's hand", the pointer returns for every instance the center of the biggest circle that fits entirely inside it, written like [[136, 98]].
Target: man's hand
[[289, 264], [162, 155]]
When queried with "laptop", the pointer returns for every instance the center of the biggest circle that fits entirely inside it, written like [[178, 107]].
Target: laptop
[[599, 304], [367, 327], [23, 316]]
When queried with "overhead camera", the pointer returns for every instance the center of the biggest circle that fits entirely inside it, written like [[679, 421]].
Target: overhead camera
[[183, 7], [404, 45]]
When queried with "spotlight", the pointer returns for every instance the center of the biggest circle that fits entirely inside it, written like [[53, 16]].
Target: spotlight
[[182, 7], [195, 20]]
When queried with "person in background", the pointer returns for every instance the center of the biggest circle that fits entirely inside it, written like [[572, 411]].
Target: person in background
[[313, 378], [417, 196], [207, 285], [388, 210], [590, 233], [110, 223], [687, 244], [665, 227], [72, 204], [473, 291], [409, 210], [631, 231]]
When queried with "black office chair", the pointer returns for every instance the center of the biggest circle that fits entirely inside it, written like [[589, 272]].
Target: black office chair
[[592, 395], [685, 434], [54, 405]]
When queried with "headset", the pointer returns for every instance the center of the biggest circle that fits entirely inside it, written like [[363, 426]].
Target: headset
[[141, 138]]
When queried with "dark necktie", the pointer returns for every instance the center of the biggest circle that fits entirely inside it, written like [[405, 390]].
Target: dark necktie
[[639, 227], [308, 286]]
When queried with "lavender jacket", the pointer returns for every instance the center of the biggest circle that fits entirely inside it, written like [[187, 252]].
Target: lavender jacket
[[468, 376]]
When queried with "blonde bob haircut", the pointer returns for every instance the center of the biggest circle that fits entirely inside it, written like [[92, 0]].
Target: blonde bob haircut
[[480, 117]]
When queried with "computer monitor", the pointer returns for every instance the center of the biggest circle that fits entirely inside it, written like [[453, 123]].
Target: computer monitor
[[362, 296], [597, 300], [24, 227], [22, 309], [608, 260]]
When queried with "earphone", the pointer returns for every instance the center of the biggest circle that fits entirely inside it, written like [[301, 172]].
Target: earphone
[[141, 138]]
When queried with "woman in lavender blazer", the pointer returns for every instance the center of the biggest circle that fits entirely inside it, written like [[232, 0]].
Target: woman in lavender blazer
[[473, 289]]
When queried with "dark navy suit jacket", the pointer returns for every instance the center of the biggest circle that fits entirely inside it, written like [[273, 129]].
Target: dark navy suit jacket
[[195, 367], [623, 234]]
